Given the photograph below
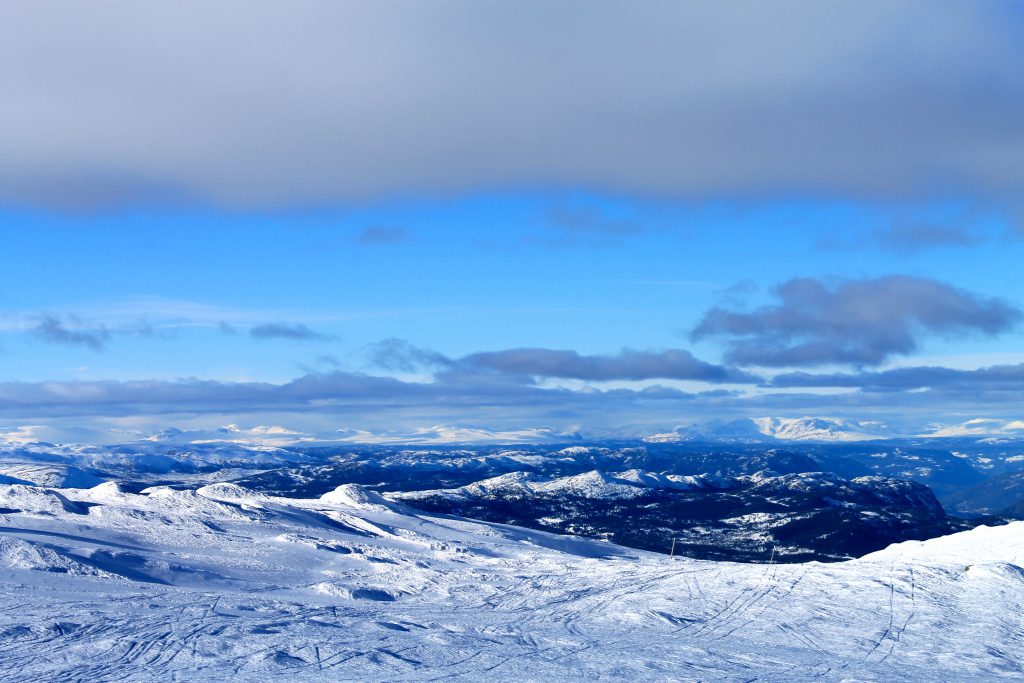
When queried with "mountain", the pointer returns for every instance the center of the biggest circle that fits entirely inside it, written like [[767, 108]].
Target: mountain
[[793, 517], [162, 454], [222, 583], [54, 475], [828, 429], [947, 465]]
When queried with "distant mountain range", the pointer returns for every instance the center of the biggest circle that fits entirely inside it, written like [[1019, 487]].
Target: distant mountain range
[[767, 429], [778, 428], [829, 429]]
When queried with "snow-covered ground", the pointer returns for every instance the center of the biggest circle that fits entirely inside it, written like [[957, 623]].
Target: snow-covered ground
[[219, 582]]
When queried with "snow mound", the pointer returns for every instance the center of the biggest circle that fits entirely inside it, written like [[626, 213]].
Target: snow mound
[[191, 502], [355, 496], [982, 544], [230, 492], [38, 501], [16, 553]]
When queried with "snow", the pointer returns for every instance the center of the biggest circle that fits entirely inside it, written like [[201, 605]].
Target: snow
[[222, 583]]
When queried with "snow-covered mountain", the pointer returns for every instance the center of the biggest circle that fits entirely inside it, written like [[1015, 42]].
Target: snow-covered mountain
[[829, 429], [55, 475], [221, 583]]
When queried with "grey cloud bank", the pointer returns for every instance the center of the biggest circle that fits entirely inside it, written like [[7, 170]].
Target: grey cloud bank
[[996, 378], [318, 403], [523, 364], [627, 365], [255, 104]]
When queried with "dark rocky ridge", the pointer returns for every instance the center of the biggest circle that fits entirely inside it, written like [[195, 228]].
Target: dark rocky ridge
[[788, 518]]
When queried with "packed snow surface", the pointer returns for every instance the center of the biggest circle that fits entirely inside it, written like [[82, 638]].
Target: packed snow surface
[[221, 583]]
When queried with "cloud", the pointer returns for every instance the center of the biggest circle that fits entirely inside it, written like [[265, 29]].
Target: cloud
[[54, 331], [523, 364], [862, 322], [589, 219], [626, 365], [250, 103], [589, 225], [398, 355], [996, 378], [382, 235], [317, 404], [915, 237], [908, 234], [287, 331]]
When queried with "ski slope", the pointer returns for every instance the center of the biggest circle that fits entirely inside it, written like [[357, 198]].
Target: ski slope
[[221, 583]]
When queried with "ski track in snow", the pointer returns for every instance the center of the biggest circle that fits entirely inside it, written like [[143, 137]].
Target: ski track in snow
[[225, 584]]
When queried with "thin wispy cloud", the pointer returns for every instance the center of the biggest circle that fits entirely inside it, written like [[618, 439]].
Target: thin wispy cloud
[[53, 330], [383, 235], [296, 332], [399, 355], [569, 226], [911, 238]]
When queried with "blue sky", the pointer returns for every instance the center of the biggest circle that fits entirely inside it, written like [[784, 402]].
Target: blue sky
[[424, 215]]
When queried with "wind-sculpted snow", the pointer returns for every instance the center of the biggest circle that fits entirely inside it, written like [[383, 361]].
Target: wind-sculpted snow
[[221, 583]]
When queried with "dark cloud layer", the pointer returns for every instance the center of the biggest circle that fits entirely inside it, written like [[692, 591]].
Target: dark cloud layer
[[862, 322], [357, 398], [626, 365], [996, 378], [523, 364], [253, 103]]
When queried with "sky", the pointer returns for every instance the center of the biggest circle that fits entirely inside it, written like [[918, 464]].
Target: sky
[[340, 220]]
